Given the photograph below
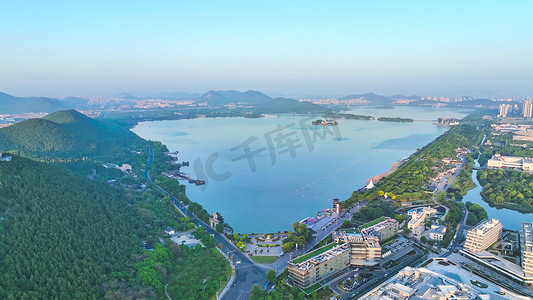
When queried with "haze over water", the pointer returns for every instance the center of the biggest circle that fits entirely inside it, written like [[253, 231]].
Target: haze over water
[[284, 189]]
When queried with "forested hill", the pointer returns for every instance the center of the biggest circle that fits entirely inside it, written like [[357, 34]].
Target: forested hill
[[63, 236], [68, 134]]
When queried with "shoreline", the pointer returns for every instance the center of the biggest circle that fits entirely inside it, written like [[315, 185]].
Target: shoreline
[[377, 178]]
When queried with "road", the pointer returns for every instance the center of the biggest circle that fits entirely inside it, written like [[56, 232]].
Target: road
[[247, 273], [458, 234]]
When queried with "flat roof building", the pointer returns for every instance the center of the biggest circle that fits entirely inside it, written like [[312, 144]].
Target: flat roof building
[[365, 250], [499, 161], [483, 235], [384, 230], [319, 264], [421, 283], [437, 232]]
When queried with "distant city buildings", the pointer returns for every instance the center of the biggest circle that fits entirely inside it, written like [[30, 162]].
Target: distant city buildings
[[520, 132], [504, 110], [527, 109], [522, 163], [483, 235]]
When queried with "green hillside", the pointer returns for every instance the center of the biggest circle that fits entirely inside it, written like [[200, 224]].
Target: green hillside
[[60, 242], [68, 134]]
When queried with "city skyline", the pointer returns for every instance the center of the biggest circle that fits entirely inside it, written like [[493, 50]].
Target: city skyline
[[453, 49]]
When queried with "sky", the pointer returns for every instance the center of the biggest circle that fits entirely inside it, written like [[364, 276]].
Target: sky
[[289, 48]]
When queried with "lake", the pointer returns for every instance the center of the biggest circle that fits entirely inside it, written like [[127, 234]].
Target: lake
[[264, 174]]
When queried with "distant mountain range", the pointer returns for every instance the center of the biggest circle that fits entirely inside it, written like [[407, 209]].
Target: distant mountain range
[[259, 101], [14, 105]]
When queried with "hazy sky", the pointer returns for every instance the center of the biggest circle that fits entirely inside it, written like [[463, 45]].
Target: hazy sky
[[329, 48]]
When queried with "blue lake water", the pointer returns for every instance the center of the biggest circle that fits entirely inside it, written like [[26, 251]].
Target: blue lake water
[[292, 169]]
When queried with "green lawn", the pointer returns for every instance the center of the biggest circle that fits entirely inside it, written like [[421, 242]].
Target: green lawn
[[312, 288], [374, 222], [315, 253], [264, 259]]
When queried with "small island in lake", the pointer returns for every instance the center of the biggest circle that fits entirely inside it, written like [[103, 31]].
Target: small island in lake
[[389, 119], [325, 122]]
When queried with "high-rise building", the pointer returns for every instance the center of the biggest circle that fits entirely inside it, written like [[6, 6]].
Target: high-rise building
[[504, 110], [527, 109], [483, 235], [526, 247]]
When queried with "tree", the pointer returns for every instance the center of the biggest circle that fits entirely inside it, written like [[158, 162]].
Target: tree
[[256, 292], [271, 276], [287, 247], [219, 228]]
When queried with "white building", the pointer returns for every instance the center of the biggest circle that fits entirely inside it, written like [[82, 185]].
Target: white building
[[504, 110], [499, 161], [483, 235], [527, 109], [437, 232]]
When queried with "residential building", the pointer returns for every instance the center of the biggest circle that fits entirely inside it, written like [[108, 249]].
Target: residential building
[[319, 264], [526, 248], [437, 232], [499, 161], [527, 109], [483, 235], [504, 110], [364, 250], [384, 230]]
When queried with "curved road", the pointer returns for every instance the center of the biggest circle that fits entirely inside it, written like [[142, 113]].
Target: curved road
[[247, 273]]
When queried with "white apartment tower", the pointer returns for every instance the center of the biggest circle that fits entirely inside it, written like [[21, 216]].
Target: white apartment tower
[[527, 109], [483, 235]]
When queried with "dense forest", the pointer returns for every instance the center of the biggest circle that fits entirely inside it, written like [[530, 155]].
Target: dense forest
[[69, 134], [63, 236], [508, 188], [69, 237]]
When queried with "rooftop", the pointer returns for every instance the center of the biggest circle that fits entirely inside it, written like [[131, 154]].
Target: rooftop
[[370, 241], [321, 253], [385, 222], [485, 226]]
